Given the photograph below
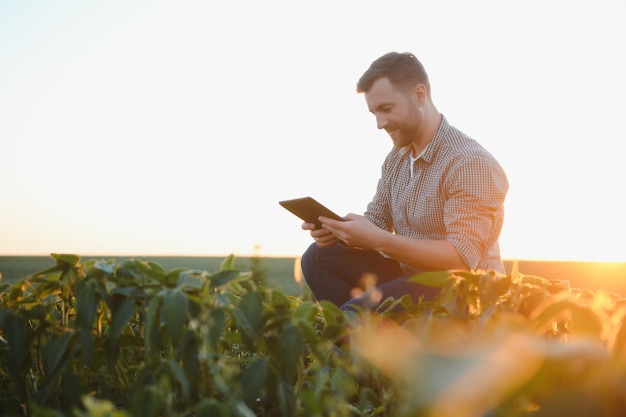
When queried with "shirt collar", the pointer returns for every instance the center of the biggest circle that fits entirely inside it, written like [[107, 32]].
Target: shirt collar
[[429, 151]]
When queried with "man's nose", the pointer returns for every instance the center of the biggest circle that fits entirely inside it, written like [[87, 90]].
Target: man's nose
[[381, 121]]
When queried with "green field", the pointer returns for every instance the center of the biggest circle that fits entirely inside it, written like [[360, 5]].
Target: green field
[[607, 276], [280, 271]]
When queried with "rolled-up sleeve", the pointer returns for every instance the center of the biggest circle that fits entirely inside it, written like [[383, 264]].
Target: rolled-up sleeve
[[456, 193], [475, 187]]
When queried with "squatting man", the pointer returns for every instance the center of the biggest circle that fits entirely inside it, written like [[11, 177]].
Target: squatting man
[[438, 205]]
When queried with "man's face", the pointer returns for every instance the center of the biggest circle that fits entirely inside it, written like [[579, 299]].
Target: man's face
[[397, 111]]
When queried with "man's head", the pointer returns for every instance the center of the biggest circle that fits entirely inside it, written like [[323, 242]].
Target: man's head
[[397, 92], [403, 70]]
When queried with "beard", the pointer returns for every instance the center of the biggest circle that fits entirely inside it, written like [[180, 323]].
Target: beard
[[407, 131], [401, 137]]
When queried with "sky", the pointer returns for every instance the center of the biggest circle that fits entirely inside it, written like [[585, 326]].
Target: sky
[[174, 128]]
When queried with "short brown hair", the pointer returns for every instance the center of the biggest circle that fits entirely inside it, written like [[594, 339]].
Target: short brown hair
[[404, 70]]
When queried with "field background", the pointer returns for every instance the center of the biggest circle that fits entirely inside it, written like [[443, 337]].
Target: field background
[[596, 276]]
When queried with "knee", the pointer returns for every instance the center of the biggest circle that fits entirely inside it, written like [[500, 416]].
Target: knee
[[315, 258], [310, 253], [310, 256]]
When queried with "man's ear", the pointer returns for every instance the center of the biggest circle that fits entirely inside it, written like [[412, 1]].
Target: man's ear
[[421, 94]]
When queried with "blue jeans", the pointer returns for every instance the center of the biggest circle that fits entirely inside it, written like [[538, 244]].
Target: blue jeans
[[347, 276]]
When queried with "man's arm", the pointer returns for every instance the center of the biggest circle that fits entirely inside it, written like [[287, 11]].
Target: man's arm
[[423, 254], [428, 255]]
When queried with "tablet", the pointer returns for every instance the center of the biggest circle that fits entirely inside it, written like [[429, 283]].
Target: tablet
[[309, 209]]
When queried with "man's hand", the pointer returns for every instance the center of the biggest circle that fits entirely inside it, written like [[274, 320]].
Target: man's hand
[[322, 237], [356, 231]]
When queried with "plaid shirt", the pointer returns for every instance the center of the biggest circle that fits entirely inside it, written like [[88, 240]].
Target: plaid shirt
[[457, 193]]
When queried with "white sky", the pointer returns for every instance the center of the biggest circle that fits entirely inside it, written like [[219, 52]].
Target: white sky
[[174, 128]]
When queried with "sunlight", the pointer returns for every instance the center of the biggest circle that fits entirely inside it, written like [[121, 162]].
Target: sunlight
[[159, 129]]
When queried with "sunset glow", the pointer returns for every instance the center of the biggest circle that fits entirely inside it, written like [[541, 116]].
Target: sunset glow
[[175, 128]]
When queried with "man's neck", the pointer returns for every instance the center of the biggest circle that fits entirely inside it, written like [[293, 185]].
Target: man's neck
[[431, 124]]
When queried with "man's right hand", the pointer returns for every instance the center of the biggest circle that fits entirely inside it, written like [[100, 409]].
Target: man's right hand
[[322, 237]]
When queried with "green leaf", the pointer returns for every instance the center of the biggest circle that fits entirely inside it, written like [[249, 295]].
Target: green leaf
[[66, 259], [431, 279], [228, 263], [4, 313], [223, 278], [48, 271], [619, 345], [152, 335], [251, 305], [280, 301], [286, 398], [15, 334], [128, 269], [129, 292], [56, 353], [244, 326], [240, 409], [70, 387], [534, 280], [503, 285], [67, 280], [121, 315], [180, 377], [470, 276], [87, 305], [253, 379], [515, 276], [188, 352], [390, 303], [87, 347], [555, 286], [551, 312], [216, 323], [332, 314], [583, 320], [191, 279], [343, 384], [586, 322], [290, 350], [487, 291], [305, 311], [309, 333], [104, 293], [151, 269], [174, 313], [147, 401], [98, 408], [212, 408], [108, 267], [368, 399]]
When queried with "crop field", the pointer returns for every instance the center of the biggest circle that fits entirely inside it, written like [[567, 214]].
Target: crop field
[[279, 271], [194, 337], [606, 276]]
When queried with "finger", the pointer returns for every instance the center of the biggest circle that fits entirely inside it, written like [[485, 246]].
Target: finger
[[328, 220], [325, 241], [308, 226], [319, 233], [351, 216], [333, 226]]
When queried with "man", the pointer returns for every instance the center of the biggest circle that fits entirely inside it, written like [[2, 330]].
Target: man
[[438, 204]]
